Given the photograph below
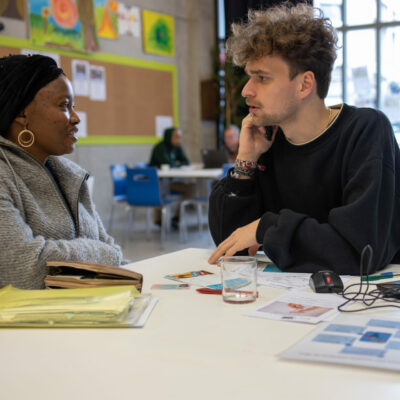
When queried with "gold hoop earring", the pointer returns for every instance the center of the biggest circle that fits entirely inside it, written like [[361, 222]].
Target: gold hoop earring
[[26, 142]]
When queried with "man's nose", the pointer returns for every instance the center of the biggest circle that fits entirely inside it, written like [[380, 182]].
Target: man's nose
[[248, 90]]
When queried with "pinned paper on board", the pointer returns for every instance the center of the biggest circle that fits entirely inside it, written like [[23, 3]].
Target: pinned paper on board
[[163, 122], [80, 77], [97, 83], [54, 56]]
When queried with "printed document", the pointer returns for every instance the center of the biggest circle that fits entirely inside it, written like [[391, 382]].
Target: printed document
[[354, 340], [298, 306]]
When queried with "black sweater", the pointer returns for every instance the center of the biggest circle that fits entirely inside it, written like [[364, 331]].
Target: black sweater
[[320, 203]]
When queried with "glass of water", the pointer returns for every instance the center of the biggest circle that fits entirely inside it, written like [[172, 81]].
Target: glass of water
[[239, 279]]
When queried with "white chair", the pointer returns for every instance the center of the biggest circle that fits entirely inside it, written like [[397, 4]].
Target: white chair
[[199, 203]]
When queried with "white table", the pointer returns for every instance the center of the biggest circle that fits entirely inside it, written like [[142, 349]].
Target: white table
[[187, 172], [193, 346]]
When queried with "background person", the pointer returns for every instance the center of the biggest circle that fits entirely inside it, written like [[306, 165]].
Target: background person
[[46, 212], [328, 183], [231, 142], [169, 151]]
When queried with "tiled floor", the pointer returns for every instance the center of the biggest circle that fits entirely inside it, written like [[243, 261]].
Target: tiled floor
[[136, 247]]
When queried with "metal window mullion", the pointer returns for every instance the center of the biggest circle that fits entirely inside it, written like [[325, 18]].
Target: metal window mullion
[[378, 53], [344, 56]]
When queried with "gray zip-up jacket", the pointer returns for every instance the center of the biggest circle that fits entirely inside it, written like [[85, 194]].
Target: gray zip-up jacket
[[38, 222]]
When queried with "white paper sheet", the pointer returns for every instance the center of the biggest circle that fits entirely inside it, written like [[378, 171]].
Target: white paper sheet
[[80, 77], [54, 56], [299, 306], [163, 122], [368, 341], [97, 83]]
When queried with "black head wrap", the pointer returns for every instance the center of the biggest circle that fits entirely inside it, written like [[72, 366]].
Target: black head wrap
[[21, 77]]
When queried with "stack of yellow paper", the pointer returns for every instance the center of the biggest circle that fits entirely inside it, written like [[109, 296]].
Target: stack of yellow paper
[[102, 306]]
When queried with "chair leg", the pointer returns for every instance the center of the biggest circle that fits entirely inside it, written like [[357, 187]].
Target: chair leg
[[182, 222], [164, 222], [199, 217], [148, 222]]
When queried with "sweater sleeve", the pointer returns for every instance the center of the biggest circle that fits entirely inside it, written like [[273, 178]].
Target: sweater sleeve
[[233, 203], [24, 255]]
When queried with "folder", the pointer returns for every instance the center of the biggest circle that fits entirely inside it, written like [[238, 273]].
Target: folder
[[77, 274], [112, 306]]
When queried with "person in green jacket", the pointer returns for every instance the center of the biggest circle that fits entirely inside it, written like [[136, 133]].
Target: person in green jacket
[[169, 151]]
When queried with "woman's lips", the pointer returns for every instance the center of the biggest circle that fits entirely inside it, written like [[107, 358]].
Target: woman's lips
[[72, 135]]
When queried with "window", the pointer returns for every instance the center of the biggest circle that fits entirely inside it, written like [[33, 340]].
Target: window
[[367, 70]]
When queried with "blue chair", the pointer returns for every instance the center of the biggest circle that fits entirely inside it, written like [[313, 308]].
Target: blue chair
[[141, 164], [143, 190], [118, 176]]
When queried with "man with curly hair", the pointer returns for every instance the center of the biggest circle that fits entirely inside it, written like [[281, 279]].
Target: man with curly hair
[[326, 182]]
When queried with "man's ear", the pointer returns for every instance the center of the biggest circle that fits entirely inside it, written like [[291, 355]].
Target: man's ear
[[308, 83]]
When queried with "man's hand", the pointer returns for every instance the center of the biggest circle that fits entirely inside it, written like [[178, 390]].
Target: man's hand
[[241, 238], [252, 140]]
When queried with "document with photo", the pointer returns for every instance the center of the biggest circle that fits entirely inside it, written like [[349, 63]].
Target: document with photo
[[298, 306], [368, 341]]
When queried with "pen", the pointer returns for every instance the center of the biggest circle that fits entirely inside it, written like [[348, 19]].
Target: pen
[[383, 275], [206, 290]]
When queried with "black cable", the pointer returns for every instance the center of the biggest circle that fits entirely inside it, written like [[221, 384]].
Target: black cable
[[368, 298]]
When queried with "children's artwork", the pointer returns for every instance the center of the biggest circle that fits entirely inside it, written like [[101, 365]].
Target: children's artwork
[[158, 33], [107, 18], [63, 23], [356, 340], [128, 20], [12, 9]]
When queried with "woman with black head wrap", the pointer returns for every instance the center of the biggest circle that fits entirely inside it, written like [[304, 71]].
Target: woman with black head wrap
[[46, 212]]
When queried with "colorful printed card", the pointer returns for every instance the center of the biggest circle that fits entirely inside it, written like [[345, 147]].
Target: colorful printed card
[[207, 279], [160, 286], [198, 278]]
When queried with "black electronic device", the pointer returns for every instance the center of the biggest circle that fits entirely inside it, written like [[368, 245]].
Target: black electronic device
[[326, 282], [389, 289], [214, 158]]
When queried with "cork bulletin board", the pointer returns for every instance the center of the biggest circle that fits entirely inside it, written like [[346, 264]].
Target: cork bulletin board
[[137, 92]]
